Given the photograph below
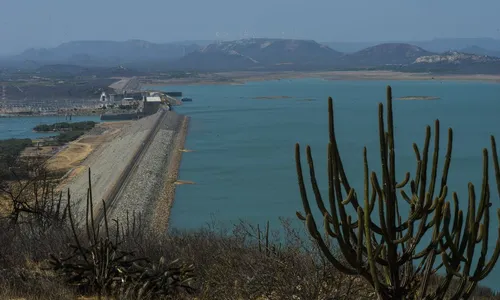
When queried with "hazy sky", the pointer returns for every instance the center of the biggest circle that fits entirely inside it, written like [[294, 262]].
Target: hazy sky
[[46, 23]]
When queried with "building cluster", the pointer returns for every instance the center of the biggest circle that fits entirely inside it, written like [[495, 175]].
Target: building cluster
[[146, 102], [138, 104]]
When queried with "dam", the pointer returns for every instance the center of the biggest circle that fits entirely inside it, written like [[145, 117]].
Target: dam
[[133, 172]]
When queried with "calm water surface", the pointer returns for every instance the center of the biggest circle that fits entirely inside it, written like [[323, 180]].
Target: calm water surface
[[243, 160]]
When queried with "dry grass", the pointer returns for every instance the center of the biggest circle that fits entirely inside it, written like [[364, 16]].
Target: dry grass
[[77, 151], [70, 157], [230, 263], [239, 262]]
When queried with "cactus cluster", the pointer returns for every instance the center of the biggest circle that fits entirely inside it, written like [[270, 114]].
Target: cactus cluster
[[378, 244], [100, 264]]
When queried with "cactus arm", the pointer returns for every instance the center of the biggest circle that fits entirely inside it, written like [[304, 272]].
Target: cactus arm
[[334, 179], [390, 131], [391, 196], [494, 257], [494, 153], [378, 190], [448, 242], [359, 254], [314, 183], [405, 181], [471, 245], [456, 214], [369, 250], [326, 223], [483, 213], [416, 182], [331, 193], [302, 188], [437, 224], [385, 176], [300, 216], [496, 252], [311, 226], [406, 197], [349, 198], [483, 201], [423, 170], [345, 244], [406, 237], [435, 160], [447, 261]]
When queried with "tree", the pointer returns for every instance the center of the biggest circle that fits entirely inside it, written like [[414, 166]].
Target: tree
[[383, 250]]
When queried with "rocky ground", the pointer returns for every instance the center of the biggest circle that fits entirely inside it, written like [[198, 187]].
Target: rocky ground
[[146, 186], [107, 162]]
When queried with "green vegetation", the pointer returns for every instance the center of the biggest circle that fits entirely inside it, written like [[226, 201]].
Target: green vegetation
[[69, 136], [9, 153], [65, 126], [384, 254], [11, 148], [69, 131]]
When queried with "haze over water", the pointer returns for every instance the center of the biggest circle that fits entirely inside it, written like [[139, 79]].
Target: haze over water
[[243, 160]]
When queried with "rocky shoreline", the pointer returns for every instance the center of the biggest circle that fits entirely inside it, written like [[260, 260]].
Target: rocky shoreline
[[242, 77], [167, 195], [149, 191]]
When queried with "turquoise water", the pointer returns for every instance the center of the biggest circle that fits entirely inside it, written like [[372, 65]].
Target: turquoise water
[[22, 127], [243, 160]]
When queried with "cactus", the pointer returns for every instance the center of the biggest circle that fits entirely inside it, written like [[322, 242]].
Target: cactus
[[383, 250], [100, 263]]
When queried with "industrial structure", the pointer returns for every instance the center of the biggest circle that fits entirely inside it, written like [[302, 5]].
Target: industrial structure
[[151, 105], [134, 103], [138, 104]]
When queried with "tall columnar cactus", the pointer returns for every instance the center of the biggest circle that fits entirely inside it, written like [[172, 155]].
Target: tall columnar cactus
[[383, 249]]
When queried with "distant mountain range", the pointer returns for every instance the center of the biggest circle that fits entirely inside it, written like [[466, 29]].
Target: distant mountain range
[[470, 55], [258, 54], [108, 52], [304, 55]]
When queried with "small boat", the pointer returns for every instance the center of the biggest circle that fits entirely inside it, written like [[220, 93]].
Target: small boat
[[186, 99]]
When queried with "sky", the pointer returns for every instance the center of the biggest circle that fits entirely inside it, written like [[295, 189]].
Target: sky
[[48, 23]]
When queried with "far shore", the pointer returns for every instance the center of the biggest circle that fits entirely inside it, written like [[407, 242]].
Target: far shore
[[238, 78]]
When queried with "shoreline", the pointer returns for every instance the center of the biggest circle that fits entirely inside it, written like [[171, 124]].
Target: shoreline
[[164, 205], [240, 78]]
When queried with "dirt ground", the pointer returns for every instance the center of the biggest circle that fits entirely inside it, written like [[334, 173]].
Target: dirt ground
[[69, 157]]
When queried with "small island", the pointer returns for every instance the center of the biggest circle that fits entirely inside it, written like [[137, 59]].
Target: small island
[[272, 97], [65, 126], [418, 98], [68, 131]]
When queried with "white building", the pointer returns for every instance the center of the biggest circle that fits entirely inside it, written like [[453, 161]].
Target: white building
[[153, 99]]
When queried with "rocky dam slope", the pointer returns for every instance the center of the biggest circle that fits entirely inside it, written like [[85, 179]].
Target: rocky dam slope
[[133, 172], [149, 187]]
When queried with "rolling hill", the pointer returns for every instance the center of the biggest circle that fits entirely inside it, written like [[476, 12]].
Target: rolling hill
[[385, 54], [260, 53], [107, 52], [437, 45]]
